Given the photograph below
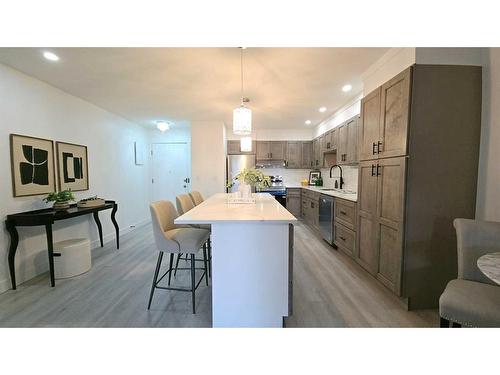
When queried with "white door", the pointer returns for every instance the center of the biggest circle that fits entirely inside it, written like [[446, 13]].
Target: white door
[[171, 173]]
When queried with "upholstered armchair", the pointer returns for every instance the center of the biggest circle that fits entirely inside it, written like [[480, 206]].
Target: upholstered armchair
[[472, 299]]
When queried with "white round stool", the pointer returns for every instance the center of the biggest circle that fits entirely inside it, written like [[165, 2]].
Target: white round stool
[[75, 257]]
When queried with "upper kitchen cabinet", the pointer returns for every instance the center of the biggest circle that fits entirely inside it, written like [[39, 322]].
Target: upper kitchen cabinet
[[307, 155], [263, 151], [384, 119], [347, 152], [293, 154], [234, 148], [330, 141], [277, 149], [395, 105], [370, 125], [317, 159]]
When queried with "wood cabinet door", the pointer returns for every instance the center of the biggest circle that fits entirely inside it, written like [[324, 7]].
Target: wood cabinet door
[[391, 180], [307, 155], [395, 113], [352, 141], [293, 204], [369, 125], [263, 151], [366, 253], [334, 136], [293, 154], [233, 147], [316, 153], [342, 145], [277, 149]]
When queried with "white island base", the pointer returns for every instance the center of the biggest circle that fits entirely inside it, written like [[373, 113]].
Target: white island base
[[250, 274], [252, 256]]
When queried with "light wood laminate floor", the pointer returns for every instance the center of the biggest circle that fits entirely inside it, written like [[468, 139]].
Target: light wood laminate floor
[[329, 291]]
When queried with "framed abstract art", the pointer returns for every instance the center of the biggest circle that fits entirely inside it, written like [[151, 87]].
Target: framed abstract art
[[32, 165], [72, 166]]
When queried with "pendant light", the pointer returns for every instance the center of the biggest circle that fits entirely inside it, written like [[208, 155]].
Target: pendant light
[[246, 144], [242, 116]]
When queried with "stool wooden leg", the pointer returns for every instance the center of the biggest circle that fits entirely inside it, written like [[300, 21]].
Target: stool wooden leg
[[193, 282], [205, 262], [170, 267], [158, 265]]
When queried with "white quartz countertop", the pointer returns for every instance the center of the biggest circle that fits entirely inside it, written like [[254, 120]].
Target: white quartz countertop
[[216, 210], [347, 196]]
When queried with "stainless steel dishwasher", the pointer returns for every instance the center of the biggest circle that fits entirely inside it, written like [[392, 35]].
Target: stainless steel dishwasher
[[326, 214]]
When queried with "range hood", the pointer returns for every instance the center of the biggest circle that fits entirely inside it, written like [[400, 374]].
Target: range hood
[[273, 163]]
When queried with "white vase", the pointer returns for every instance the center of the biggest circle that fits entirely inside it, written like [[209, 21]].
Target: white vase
[[245, 190]]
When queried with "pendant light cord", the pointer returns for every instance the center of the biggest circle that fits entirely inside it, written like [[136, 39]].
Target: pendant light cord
[[241, 69]]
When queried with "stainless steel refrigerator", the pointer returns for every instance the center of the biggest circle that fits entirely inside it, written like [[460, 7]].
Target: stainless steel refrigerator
[[236, 163]]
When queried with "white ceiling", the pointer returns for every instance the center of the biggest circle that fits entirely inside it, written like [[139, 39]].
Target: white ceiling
[[286, 85]]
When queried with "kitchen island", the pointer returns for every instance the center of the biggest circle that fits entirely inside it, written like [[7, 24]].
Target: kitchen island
[[252, 257]]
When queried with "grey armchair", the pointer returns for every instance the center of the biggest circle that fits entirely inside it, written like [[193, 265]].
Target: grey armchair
[[472, 299]]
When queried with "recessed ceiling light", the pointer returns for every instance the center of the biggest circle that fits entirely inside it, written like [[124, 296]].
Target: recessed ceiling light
[[322, 109], [50, 56], [308, 122], [162, 126], [346, 88]]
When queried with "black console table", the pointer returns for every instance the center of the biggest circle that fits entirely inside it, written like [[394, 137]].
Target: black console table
[[47, 217]]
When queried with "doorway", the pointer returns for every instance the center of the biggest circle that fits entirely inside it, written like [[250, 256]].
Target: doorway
[[171, 174]]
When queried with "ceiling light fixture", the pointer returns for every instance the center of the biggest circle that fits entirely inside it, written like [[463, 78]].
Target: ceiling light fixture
[[242, 116], [308, 122], [50, 56], [346, 88], [162, 126], [322, 109], [246, 144]]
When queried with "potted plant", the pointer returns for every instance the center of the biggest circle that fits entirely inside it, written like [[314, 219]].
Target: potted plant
[[248, 178], [61, 199]]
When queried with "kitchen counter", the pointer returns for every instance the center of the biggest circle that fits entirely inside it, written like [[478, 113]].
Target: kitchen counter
[[252, 259], [332, 193], [216, 210]]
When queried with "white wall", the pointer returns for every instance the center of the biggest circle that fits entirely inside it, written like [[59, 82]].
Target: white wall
[[452, 56], [31, 107], [488, 195], [348, 111], [390, 64], [208, 157]]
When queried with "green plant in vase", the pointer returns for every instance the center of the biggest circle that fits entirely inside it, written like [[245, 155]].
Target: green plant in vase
[[61, 199]]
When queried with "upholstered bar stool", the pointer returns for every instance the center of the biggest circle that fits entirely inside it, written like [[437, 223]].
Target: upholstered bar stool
[[176, 239], [184, 204], [196, 197]]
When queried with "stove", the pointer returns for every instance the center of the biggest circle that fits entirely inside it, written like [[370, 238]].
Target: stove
[[277, 189]]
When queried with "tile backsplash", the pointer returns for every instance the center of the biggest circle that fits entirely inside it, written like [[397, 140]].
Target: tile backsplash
[[293, 176], [349, 173]]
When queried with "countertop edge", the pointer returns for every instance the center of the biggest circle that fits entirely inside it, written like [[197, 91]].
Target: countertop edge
[[329, 193]]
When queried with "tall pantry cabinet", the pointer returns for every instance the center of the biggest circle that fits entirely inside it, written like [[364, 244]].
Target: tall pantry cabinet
[[419, 150]]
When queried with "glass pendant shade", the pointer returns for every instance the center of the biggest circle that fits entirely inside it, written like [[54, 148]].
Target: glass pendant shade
[[246, 144], [242, 120]]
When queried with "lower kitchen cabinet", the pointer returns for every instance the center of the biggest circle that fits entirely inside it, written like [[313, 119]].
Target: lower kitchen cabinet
[[380, 219], [293, 201], [310, 208], [345, 239]]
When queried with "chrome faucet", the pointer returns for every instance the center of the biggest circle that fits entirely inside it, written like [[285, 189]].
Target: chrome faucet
[[341, 180]]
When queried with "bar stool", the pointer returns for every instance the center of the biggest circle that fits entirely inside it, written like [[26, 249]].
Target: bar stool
[[196, 197], [176, 239], [184, 203]]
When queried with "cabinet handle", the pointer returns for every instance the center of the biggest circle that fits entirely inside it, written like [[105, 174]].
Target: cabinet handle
[[328, 145], [373, 170], [312, 204], [342, 238], [343, 212], [373, 148], [379, 145], [378, 172]]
